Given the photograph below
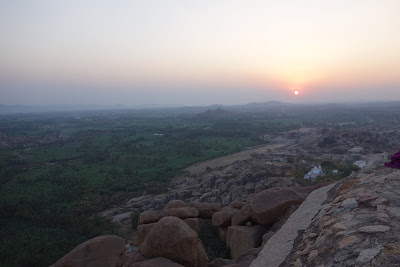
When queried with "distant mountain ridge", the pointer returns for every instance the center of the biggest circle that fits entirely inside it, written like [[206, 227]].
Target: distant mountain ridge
[[172, 108]]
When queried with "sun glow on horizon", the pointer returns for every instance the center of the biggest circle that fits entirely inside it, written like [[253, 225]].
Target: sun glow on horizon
[[280, 50]]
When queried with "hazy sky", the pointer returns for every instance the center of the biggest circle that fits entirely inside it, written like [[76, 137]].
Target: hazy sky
[[198, 52]]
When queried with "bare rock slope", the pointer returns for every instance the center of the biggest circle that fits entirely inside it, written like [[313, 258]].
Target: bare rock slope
[[356, 224], [279, 246]]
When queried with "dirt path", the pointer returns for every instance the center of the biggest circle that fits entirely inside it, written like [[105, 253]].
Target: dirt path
[[373, 160], [228, 160]]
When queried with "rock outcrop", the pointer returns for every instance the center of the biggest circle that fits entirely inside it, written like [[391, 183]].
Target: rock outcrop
[[223, 217], [234, 183], [268, 205], [149, 216], [242, 238], [142, 231], [351, 223], [206, 210], [156, 262], [281, 244], [358, 226], [101, 251], [173, 239], [183, 212]]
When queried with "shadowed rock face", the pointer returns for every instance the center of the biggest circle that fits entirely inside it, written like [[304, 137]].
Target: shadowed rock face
[[243, 216], [206, 210], [173, 239], [97, 252], [157, 262], [142, 231], [183, 213], [223, 217], [242, 238]]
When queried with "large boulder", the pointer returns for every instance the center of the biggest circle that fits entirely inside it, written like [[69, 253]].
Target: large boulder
[[173, 239], [198, 224], [223, 217], [237, 204], [306, 190], [248, 257], [134, 258], [242, 217], [193, 223], [241, 238], [149, 216], [157, 262], [142, 231], [175, 204], [202, 258], [183, 213], [97, 252], [268, 205], [219, 262], [222, 233], [206, 210]]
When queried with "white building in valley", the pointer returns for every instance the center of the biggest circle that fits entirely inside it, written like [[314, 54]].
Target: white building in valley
[[314, 173], [360, 163]]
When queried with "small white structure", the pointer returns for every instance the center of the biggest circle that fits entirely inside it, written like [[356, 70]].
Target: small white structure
[[335, 171], [355, 150], [360, 163], [314, 173]]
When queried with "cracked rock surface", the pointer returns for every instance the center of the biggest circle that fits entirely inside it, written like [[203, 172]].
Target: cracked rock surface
[[358, 225]]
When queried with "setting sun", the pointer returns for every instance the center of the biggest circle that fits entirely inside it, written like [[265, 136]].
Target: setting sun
[[296, 92]]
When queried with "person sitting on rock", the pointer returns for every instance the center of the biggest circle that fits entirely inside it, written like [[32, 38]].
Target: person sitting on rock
[[395, 161]]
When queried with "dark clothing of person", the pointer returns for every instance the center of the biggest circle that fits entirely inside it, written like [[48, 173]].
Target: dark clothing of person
[[395, 161]]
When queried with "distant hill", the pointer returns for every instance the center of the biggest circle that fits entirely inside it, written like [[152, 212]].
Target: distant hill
[[217, 113], [211, 110]]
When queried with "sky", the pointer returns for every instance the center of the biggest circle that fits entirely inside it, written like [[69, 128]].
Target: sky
[[204, 52]]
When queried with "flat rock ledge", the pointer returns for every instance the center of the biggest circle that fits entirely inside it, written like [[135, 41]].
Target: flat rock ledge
[[280, 245]]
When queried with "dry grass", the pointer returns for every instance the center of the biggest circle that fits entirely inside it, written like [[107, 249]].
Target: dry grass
[[347, 185], [392, 249]]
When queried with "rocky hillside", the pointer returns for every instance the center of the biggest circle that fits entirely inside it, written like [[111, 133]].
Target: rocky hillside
[[353, 222], [358, 225], [232, 183]]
